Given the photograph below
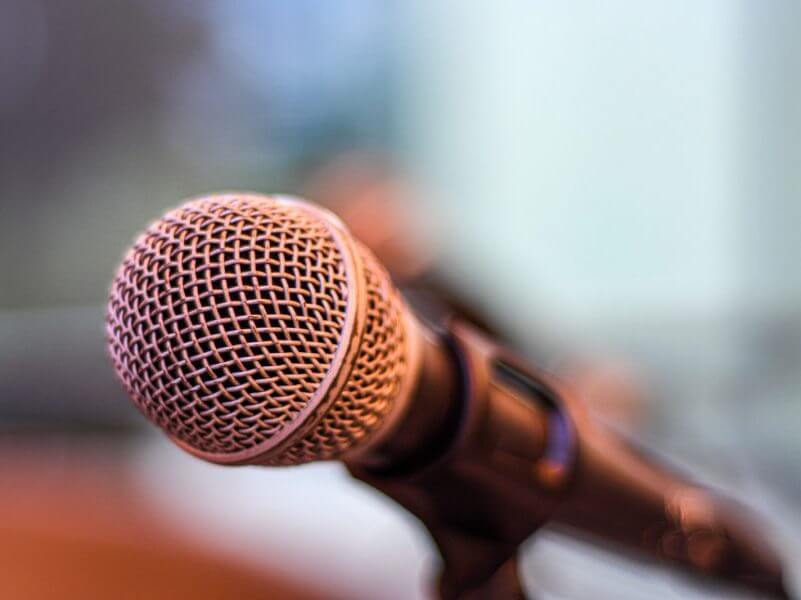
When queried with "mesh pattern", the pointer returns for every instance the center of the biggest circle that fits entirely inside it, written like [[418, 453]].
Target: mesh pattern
[[373, 383], [225, 317]]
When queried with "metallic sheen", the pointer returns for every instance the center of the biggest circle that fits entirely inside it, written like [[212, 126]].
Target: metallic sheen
[[254, 329]]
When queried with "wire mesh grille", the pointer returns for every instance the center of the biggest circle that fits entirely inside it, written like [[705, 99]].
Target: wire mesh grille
[[373, 383], [225, 318]]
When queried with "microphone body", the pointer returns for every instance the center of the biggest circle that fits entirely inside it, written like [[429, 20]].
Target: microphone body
[[255, 330], [503, 449]]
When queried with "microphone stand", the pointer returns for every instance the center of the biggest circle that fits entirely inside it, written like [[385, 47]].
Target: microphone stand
[[516, 451]]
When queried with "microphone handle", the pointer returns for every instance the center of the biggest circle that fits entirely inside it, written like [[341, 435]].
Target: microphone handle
[[620, 495], [490, 450]]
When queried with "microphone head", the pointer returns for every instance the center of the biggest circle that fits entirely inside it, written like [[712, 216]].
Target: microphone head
[[256, 330]]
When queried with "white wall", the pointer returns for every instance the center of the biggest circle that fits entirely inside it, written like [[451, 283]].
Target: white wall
[[593, 159]]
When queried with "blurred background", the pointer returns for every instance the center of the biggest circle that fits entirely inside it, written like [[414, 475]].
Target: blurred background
[[612, 187]]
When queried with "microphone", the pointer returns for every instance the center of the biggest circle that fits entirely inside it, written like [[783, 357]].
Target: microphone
[[255, 330]]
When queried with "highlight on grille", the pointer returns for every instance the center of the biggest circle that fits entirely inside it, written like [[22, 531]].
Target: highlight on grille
[[253, 329]]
